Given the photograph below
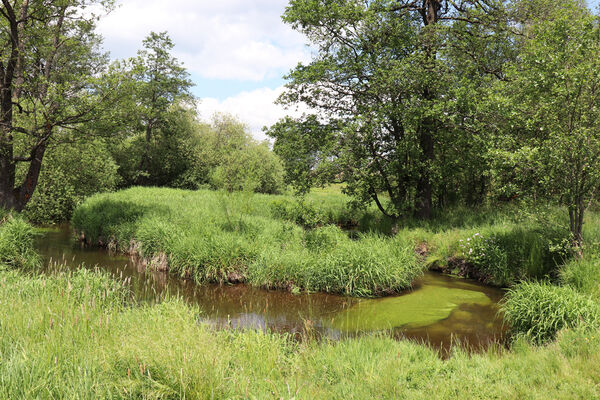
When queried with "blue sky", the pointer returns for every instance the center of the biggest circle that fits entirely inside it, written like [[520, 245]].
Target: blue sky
[[236, 50]]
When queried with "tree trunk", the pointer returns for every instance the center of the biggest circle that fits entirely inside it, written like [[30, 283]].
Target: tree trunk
[[424, 204], [576, 223], [8, 200]]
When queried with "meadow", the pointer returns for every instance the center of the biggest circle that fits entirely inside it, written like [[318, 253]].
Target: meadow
[[221, 237], [319, 243], [82, 335]]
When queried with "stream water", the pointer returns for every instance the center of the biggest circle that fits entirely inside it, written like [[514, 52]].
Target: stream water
[[439, 310]]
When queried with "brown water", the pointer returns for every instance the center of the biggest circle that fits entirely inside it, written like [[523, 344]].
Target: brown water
[[438, 310]]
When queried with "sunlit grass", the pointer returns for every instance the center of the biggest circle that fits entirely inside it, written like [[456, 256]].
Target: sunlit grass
[[75, 335], [219, 237]]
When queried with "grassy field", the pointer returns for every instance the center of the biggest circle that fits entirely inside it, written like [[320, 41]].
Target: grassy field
[[218, 237], [286, 243], [81, 335], [76, 335]]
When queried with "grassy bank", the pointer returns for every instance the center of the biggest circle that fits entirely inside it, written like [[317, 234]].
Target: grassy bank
[[216, 237], [284, 242], [75, 335], [80, 335]]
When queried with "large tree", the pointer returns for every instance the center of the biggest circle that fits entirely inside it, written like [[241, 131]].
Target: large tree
[[49, 65], [386, 72], [552, 105], [159, 84]]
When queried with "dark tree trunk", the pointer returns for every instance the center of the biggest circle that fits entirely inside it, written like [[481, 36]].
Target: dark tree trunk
[[424, 204], [576, 224], [8, 199]]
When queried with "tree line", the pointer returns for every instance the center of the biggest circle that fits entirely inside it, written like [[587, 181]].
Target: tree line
[[417, 105], [72, 123], [420, 105]]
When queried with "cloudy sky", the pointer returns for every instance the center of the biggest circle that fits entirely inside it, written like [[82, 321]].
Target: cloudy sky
[[236, 50]]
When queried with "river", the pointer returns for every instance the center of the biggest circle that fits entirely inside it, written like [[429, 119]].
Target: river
[[439, 310]]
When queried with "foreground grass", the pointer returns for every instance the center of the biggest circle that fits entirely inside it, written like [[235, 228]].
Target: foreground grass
[[217, 237], [75, 336], [80, 335]]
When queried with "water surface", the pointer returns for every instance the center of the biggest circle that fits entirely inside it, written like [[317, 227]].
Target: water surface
[[438, 310]]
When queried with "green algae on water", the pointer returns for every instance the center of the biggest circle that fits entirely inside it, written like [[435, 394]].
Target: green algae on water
[[419, 308]]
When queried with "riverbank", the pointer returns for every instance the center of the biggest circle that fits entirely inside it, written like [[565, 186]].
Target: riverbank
[[438, 310], [209, 236], [297, 245], [79, 334], [76, 335]]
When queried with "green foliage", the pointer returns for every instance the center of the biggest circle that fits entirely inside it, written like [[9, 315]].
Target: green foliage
[[504, 256], [185, 153], [582, 275], [234, 161], [539, 310], [52, 64], [70, 174], [74, 335], [232, 237], [298, 211], [16, 244], [304, 148], [551, 101], [169, 154], [396, 98], [254, 169]]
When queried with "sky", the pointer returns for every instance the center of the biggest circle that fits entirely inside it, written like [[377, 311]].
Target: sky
[[237, 51]]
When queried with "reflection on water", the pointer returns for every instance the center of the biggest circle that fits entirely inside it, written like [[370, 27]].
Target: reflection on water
[[438, 310]]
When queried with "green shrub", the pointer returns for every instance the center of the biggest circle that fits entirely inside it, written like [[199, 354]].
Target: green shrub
[[539, 310], [70, 173], [298, 211], [506, 254], [16, 244], [583, 275]]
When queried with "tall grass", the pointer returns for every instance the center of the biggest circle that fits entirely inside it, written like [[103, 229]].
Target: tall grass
[[16, 244], [217, 237], [74, 335], [540, 310], [583, 275]]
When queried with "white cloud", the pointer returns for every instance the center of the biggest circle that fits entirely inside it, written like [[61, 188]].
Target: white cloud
[[255, 108], [216, 39]]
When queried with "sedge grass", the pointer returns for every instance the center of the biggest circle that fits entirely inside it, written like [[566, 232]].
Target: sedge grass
[[218, 237], [75, 335]]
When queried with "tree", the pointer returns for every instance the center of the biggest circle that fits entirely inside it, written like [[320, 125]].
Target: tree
[[553, 97], [384, 75], [159, 83], [49, 65], [235, 161], [306, 148]]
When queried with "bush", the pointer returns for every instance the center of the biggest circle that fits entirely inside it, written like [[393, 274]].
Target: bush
[[16, 244], [507, 254], [254, 168], [582, 275], [539, 310], [70, 173], [298, 211]]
